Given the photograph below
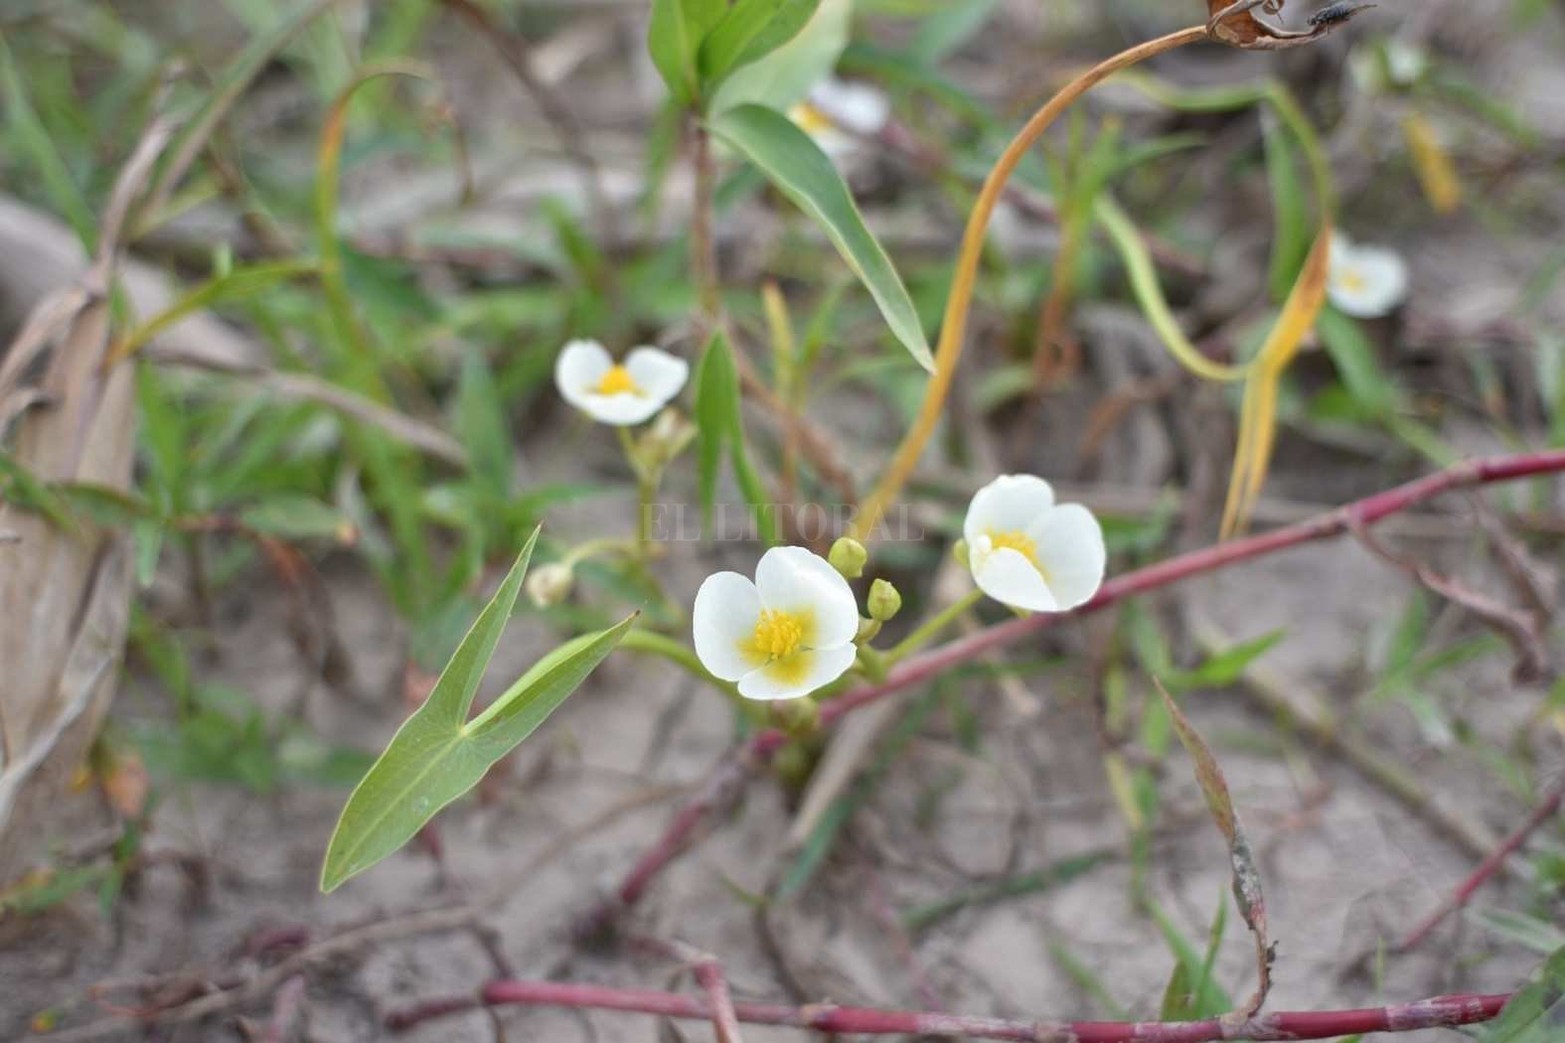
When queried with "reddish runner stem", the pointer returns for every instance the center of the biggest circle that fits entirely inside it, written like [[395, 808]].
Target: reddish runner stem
[[1437, 1012], [732, 771], [1486, 869]]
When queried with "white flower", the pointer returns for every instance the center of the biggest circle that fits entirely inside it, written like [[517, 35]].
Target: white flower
[[1405, 63], [618, 393], [837, 112], [1029, 552], [783, 636], [1364, 281]]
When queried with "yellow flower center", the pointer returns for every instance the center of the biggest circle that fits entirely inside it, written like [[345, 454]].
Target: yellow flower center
[[617, 381], [810, 119], [778, 635], [1018, 541], [1352, 281]]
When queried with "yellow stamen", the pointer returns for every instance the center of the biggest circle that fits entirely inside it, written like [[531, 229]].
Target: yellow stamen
[[1351, 281], [810, 119], [1018, 541], [617, 381], [778, 634]]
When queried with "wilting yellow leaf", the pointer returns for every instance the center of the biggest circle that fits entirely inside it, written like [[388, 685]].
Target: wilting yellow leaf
[[1436, 173], [1258, 413]]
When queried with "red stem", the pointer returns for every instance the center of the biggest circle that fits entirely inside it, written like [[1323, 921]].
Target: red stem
[[1486, 869], [731, 773], [1440, 1011]]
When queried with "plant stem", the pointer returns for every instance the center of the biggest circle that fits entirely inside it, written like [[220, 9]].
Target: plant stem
[[677, 652], [703, 248], [729, 776], [933, 625], [952, 333], [1487, 869], [1437, 1012]]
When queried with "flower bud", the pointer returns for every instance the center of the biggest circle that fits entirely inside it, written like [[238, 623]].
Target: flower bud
[[550, 584], [884, 601], [669, 435], [848, 557], [959, 552], [796, 717]]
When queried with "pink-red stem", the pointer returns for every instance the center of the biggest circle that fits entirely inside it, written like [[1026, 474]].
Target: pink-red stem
[[731, 773], [1440, 1011], [1486, 869]]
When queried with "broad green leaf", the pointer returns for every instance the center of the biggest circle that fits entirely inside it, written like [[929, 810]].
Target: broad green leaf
[[438, 754], [796, 165], [786, 75], [750, 31], [674, 38]]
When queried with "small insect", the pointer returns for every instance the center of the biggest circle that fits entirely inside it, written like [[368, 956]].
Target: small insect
[[1339, 12]]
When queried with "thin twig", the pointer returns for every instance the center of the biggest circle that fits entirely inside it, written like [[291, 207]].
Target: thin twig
[[1437, 1012], [1487, 869]]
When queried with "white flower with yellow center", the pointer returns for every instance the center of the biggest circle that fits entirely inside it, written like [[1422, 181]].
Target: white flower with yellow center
[[836, 113], [782, 636], [616, 393], [1364, 281], [1029, 552]]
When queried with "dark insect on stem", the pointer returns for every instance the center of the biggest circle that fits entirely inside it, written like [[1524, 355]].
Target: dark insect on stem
[[1339, 12]]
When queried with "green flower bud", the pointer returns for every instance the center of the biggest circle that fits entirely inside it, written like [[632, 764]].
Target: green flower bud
[[796, 717], [848, 557], [550, 584], [959, 552], [884, 601]]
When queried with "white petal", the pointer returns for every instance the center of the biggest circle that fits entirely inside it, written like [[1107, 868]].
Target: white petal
[[579, 367], [1007, 576], [657, 374], [855, 107], [621, 410], [1071, 551], [726, 610], [1010, 503], [820, 668], [791, 579], [1366, 281]]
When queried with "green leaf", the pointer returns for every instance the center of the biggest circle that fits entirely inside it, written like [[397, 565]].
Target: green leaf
[[229, 286], [786, 75], [719, 423], [947, 29], [1292, 232], [1354, 357], [438, 755], [1536, 1014], [797, 166], [750, 31], [34, 144], [294, 516], [674, 38]]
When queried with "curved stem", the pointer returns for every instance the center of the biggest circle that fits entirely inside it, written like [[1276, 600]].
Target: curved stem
[[933, 625], [952, 333]]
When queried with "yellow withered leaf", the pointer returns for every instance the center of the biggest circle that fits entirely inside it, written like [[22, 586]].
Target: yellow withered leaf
[[1436, 173], [1258, 413]]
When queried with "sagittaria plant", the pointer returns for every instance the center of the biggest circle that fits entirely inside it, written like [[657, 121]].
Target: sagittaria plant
[[795, 632]]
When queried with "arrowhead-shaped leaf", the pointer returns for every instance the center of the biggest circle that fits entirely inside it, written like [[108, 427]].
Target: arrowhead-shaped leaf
[[438, 754]]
